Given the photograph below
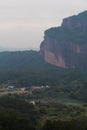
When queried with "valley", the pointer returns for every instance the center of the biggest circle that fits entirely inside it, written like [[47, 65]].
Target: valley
[[47, 89]]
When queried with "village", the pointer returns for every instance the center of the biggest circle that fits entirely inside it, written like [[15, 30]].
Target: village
[[11, 89]]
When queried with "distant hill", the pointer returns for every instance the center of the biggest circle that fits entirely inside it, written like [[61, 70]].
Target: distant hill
[[20, 60], [27, 68], [66, 46]]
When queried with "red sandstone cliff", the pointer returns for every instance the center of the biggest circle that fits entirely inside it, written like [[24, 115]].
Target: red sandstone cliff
[[66, 46]]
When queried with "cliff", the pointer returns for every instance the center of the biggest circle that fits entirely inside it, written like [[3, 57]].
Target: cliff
[[66, 46]]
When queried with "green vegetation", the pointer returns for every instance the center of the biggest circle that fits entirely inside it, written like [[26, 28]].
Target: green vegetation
[[20, 114], [61, 106], [17, 114], [64, 102], [32, 70], [65, 125], [26, 68]]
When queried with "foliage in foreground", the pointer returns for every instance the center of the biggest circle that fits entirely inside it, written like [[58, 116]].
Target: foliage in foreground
[[16, 114], [80, 124]]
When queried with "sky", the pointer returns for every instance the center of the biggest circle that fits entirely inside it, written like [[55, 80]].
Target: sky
[[23, 22]]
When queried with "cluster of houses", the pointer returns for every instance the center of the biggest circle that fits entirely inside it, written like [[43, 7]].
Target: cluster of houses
[[32, 89], [39, 88], [12, 89]]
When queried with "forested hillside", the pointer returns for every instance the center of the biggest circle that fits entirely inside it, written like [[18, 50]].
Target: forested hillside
[[28, 68]]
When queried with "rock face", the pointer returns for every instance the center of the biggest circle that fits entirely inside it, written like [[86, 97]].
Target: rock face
[[66, 46]]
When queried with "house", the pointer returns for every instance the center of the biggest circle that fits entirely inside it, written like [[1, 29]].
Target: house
[[37, 88], [22, 89], [32, 102], [10, 87]]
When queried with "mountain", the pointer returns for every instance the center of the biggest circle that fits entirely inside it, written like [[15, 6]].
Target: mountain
[[66, 46]]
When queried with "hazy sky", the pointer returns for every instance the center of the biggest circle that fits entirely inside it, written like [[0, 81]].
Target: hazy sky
[[23, 22]]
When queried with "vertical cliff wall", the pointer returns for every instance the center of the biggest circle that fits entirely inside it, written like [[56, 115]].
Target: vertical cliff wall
[[66, 46]]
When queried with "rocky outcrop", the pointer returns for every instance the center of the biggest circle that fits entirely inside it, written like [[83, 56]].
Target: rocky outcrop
[[66, 46], [76, 21]]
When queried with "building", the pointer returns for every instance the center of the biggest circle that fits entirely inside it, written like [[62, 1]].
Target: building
[[10, 87]]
